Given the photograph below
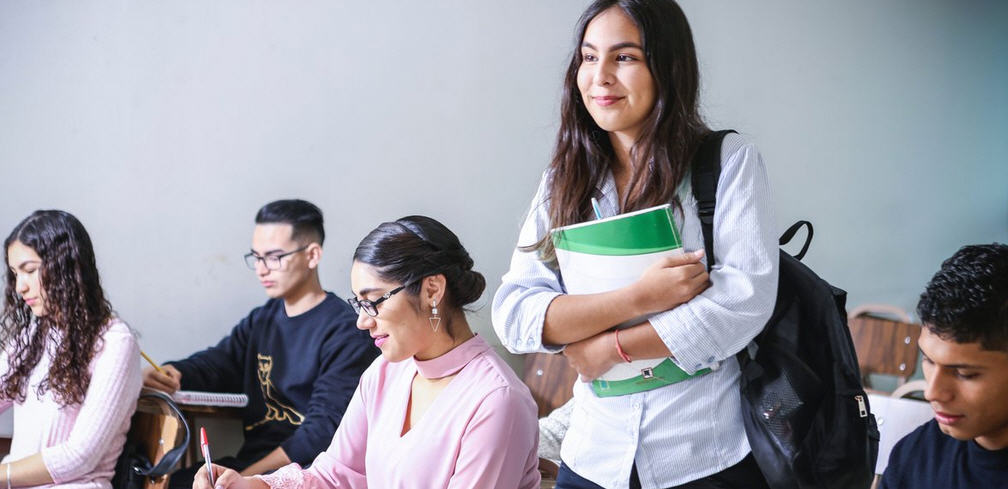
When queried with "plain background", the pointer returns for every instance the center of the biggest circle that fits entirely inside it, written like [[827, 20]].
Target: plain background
[[164, 126]]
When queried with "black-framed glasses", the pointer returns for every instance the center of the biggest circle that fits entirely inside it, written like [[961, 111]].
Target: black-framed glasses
[[271, 262], [371, 307]]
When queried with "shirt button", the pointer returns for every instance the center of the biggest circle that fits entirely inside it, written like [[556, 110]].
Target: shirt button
[[710, 360], [699, 366]]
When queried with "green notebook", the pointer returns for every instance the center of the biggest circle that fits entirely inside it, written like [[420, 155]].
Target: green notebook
[[606, 254]]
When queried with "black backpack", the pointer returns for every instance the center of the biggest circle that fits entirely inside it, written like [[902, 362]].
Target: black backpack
[[806, 413], [133, 467]]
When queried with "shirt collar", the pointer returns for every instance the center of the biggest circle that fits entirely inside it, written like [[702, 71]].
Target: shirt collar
[[989, 459], [452, 361]]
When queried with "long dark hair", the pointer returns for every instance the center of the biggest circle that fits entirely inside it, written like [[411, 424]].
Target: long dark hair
[[671, 133], [414, 247], [76, 311]]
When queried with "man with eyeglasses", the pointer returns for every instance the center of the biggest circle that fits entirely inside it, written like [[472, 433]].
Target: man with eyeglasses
[[298, 357]]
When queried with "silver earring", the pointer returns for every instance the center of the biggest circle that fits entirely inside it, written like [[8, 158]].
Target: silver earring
[[435, 321]]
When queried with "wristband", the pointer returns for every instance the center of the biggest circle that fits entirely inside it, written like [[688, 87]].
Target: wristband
[[626, 358]]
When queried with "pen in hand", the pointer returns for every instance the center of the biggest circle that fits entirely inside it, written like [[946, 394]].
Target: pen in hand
[[205, 447]]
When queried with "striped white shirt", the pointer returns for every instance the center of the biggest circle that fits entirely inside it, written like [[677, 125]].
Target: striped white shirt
[[684, 431]]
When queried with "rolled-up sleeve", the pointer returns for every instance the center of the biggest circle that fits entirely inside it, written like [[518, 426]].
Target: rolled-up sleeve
[[724, 318], [528, 288]]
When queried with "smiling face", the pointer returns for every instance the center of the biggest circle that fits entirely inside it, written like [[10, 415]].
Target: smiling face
[[401, 330], [967, 388], [614, 79], [295, 270], [26, 265]]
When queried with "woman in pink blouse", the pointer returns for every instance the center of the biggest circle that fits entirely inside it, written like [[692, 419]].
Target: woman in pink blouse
[[68, 366], [438, 409]]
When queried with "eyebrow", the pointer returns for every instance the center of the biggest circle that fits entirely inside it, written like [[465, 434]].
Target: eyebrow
[[364, 292], [953, 365], [28, 262], [254, 252], [614, 47]]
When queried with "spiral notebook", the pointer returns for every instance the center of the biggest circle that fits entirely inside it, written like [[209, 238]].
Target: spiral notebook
[[219, 399]]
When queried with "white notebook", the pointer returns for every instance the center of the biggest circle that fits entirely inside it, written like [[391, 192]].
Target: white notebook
[[222, 399]]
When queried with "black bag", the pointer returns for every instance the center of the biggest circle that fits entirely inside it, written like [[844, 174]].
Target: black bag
[[806, 413], [133, 468]]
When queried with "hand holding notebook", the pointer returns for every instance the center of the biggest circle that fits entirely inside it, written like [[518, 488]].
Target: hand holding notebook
[[607, 254]]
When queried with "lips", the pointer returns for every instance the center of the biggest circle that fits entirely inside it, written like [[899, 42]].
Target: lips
[[268, 284], [379, 340], [606, 100], [947, 418], [30, 301]]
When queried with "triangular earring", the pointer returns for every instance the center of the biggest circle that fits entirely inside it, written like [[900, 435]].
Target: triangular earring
[[435, 321]]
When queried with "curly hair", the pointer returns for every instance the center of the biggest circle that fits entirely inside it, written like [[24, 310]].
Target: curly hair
[[967, 300], [76, 311]]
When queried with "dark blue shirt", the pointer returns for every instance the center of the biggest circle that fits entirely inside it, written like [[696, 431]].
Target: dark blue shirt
[[928, 458], [299, 373]]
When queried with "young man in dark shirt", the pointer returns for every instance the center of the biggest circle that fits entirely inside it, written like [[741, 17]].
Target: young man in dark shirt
[[298, 357], [965, 346]]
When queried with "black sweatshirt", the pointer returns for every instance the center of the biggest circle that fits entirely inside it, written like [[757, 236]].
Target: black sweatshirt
[[299, 373], [928, 458]]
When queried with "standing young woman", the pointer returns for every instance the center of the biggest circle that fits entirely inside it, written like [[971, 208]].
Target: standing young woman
[[629, 127], [438, 409], [68, 366]]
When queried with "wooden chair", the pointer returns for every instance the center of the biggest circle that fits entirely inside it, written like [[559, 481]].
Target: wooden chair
[[155, 427], [884, 346], [551, 380]]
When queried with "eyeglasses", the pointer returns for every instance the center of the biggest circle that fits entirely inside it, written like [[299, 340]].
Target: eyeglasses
[[272, 262], [371, 307]]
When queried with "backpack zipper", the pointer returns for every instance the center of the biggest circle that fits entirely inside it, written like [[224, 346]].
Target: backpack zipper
[[862, 408]]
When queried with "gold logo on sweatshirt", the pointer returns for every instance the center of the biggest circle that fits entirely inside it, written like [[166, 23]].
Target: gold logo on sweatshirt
[[275, 410]]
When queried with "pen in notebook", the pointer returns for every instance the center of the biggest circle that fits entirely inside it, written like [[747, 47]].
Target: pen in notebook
[[153, 364], [205, 447], [595, 207]]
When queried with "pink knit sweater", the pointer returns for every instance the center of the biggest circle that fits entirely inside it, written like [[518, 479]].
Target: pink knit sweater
[[80, 443]]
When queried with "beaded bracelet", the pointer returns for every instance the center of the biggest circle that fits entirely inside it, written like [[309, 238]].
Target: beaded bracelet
[[626, 358]]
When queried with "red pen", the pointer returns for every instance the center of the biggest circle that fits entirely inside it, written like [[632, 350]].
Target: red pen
[[205, 447]]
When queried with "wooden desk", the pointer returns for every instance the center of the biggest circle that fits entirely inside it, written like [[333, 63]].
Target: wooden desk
[[191, 411]]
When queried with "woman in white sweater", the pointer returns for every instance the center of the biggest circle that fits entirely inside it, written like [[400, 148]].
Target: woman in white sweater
[[68, 367]]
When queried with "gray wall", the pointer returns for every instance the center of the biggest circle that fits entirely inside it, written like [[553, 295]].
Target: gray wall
[[165, 125]]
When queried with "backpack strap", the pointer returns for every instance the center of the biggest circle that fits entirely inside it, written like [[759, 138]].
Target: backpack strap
[[172, 457], [789, 234], [704, 179]]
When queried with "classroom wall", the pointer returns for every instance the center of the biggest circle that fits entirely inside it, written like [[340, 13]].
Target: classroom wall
[[164, 125]]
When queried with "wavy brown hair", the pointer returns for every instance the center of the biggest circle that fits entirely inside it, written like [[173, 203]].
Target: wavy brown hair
[[76, 311], [672, 131]]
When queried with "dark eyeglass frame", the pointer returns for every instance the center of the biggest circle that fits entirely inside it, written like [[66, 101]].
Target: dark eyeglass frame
[[251, 258], [371, 307]]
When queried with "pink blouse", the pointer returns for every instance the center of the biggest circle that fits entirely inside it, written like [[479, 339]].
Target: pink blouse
[[481, 431], [80, 442]]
